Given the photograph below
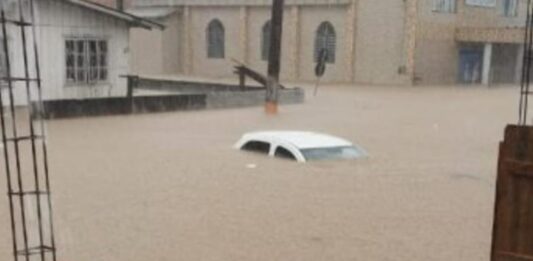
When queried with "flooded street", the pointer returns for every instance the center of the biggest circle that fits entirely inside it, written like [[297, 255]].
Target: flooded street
[[169, 186]]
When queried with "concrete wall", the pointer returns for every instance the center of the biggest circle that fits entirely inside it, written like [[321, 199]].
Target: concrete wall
[[200, 18], [436, 56], [311, 18], [475, 16], [257, 17], [158, 52], [146, 48], [243, 28], [379, 42], [437, 50], [171, 44], [376, 43]]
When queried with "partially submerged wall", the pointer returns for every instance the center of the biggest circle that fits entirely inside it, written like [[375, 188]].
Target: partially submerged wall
[[161, 96]]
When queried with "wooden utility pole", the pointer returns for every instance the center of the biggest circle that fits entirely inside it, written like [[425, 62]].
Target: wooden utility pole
[[274, 58]]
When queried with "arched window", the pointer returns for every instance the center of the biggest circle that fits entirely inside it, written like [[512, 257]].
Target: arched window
[[325, 39], [215, 39], [265, 41]]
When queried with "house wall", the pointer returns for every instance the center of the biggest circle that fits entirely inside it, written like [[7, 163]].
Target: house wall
[[57, 21]]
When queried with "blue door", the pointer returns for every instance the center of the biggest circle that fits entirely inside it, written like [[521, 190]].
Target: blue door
[[470, 65]]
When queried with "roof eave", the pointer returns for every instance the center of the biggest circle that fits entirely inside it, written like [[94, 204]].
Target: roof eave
[[132, 20]]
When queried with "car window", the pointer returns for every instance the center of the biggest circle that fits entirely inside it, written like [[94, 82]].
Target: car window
[[257, 146], [332, 153], [284, 154]]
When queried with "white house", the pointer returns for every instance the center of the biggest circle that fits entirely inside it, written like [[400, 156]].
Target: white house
[[83, 48]]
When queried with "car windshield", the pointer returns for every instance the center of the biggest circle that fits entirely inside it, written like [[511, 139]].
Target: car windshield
[[333, 153]]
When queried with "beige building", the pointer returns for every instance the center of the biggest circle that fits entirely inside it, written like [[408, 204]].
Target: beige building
[[366, 41]]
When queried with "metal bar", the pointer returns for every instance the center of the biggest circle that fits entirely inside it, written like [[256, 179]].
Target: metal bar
[[527, 78], [4, 139], [32, 129], [16, 22], [21, 138], [19, 79], [35, 250], [44, 146], [17, 153], [242, 79], [525, 60], [28, 193]]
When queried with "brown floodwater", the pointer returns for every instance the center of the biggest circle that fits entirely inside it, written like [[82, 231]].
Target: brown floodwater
[[169, 186]]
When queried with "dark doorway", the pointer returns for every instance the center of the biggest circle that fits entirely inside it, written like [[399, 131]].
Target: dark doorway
[[470, 64]]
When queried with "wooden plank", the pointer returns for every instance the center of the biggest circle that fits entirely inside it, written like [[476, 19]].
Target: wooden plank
[[523, 203], [513, 215], [519, 168], [506, 256]]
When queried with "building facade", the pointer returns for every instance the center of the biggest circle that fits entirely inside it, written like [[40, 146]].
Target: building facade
[[366, 41], [83, 49]]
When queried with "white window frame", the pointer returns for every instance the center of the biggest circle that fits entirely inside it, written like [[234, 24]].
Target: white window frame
[[83, 66], [512, 11], [444, 6]]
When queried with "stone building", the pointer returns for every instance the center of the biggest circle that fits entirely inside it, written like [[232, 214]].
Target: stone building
[[368, 41]]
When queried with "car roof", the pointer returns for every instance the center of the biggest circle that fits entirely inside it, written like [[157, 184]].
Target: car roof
[[299, 139]]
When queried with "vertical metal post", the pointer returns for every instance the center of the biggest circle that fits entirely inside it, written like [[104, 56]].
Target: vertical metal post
[[44, 149], [32, 130], [4, 139], [15, 140], [132, 82], [526, 67], [242, 79], [274, 59]]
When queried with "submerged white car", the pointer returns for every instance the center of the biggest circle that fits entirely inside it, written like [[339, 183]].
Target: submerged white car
[[299, 145]]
